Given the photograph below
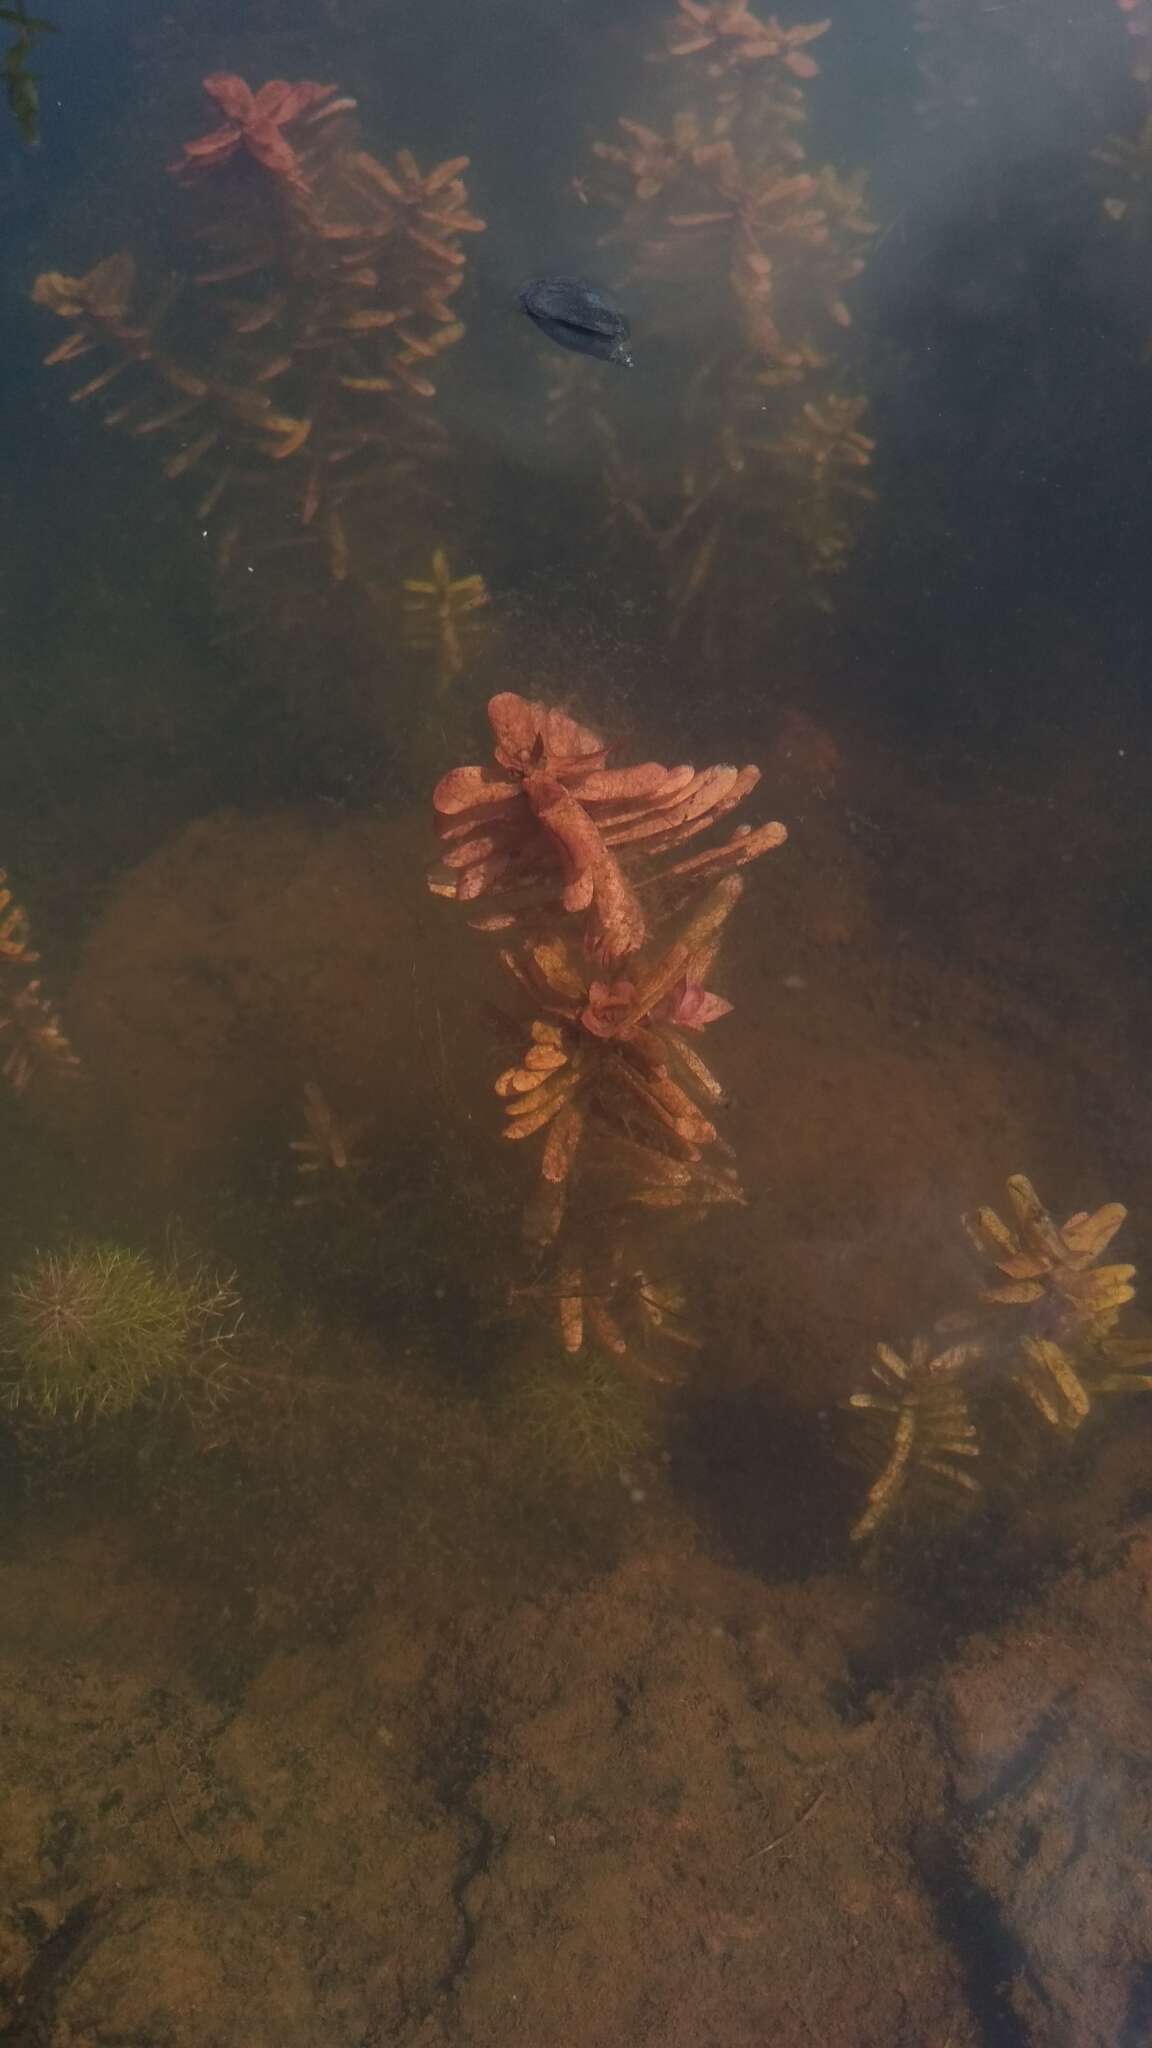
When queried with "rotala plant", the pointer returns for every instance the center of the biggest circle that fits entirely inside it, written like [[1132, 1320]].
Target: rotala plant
[[611, 933], [1043, 1329], [717, 228], [32, 1040], [290, 361]]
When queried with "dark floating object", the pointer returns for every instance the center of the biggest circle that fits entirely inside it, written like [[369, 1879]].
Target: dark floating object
[[578, 316]]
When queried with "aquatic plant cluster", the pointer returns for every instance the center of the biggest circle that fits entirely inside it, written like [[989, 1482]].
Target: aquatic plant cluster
[[611, 946], [32, 1040], [290, 358], [712, 215], [293, 361], [1044, 1327], [1123, 162], [289, 361], [96, 1329], [1137, 18]]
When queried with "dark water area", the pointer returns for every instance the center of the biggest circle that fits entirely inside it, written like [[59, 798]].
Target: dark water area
[[681, 1579]]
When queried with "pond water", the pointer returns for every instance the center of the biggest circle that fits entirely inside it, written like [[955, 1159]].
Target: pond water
[[679, 1578]]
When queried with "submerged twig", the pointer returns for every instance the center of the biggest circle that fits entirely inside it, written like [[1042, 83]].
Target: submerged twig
[[809, 1810], [177, 1823]]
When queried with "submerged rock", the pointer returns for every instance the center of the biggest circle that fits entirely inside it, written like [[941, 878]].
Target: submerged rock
[[1052, 1745]]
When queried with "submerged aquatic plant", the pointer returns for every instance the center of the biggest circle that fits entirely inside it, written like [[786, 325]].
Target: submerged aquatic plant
[[633, 1317], [328, 1151], [290, 356], [254, 123], [714, 215], [1044, 1327], [96, 1329], [438, 610], [21, 86], [1137, 19], [580, 1416], [552, 812], [932, 1427], [1049, 1272], [1126, 175], [32, 1039], [1122, 173], [15, 945], [606, 1072]]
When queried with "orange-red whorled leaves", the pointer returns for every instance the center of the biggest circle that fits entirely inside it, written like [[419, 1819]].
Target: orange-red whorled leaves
[[254, 124], [608, 1076], [31, 1037], [540, 817], [730, 34], [104, 293], [552, 810]]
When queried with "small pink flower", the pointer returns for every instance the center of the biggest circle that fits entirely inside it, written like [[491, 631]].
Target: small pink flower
[[611, 1011], [691, 1006]]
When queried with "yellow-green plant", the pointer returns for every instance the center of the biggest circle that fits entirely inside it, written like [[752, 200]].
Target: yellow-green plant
[[1044, 1328], [95, 1329], [582, 1416]]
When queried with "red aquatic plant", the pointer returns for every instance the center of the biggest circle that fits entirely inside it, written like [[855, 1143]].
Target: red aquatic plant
[[609, 1077], [631, 1314], [730, 34], [552, 809], [254, 124], [32, 1040], [1138, 23], [291, 356], [605, 1072], [715, 213]]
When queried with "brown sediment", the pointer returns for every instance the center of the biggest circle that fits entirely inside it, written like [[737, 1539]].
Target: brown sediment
[[592, 1774], [252, 956]]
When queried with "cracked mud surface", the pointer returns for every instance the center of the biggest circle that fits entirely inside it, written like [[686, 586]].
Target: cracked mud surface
[[641, 1811], [557, 1826]]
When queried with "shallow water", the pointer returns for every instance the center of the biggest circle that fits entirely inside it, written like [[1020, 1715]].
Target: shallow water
[[449, 1592]]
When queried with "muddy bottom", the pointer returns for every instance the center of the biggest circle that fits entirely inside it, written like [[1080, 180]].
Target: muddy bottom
[[662, 1806], [375, 1712]]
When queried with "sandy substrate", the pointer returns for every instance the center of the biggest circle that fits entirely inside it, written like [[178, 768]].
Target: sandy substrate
[[634, 1814], [1049, 1725], [651, 1810], [251, 955]]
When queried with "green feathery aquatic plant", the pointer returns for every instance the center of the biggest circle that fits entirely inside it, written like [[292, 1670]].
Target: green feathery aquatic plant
[[583, 1417], [95, 1329]]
